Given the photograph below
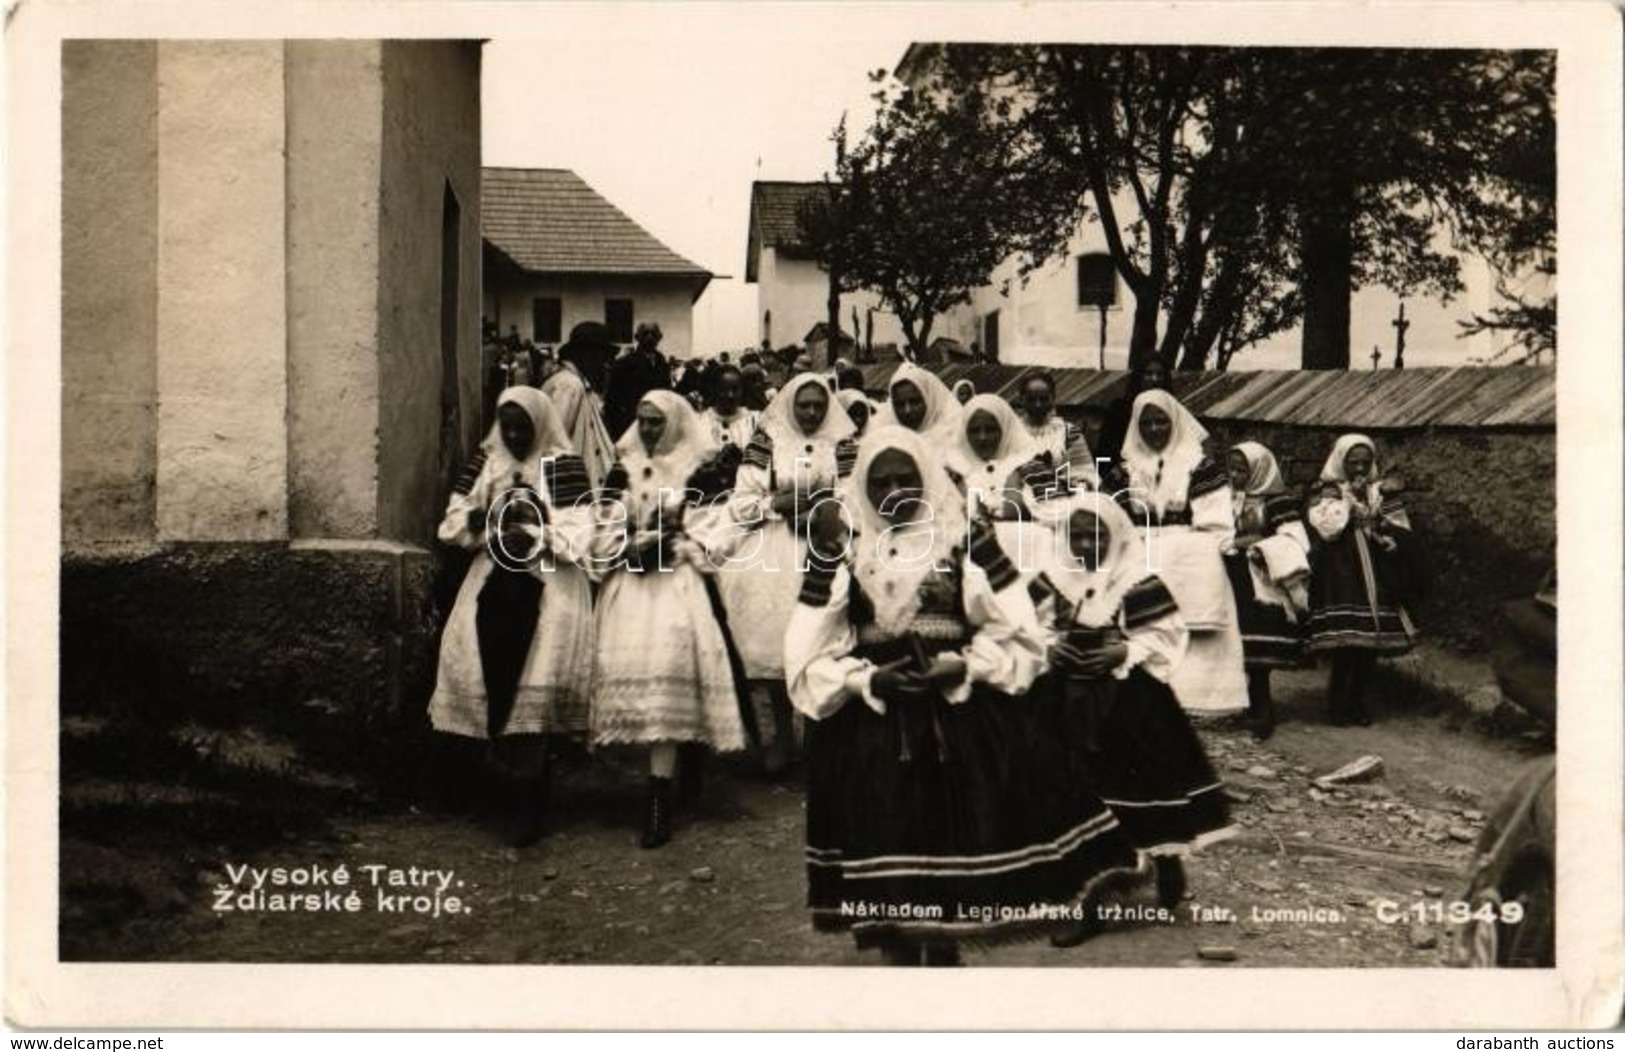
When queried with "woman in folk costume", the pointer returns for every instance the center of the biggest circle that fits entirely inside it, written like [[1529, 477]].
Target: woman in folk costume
[[1268, 564], [1182, 500], [1357, 583], [1115, 637], [516, 656], [801, 451], [1060, 440], [858, 409], [933, 800], [666, 672], [992, 457], [921, 402]]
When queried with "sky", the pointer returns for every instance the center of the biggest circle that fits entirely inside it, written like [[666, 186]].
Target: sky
[[671, 112], [674, 132]]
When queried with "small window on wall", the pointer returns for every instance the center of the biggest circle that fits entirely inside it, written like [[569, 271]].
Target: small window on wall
[[1097, 280], [547, 320], [618, 320]]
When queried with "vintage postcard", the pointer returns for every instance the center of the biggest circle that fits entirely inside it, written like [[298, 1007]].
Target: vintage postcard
[[667, 515]]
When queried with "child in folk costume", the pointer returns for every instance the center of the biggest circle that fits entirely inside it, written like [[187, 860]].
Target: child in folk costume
[[516, 655], [1358, 578], [918, 400], [666, 672], [858, 408], [1182, 499], [933, 801], [1115, 637], [800, 452], [1268, 564], [1061, 440]]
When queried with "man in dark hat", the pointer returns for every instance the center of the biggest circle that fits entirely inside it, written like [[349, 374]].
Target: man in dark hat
[[633, 376]]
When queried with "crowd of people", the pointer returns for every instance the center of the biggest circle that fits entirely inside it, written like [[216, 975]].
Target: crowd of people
[[987, 643]]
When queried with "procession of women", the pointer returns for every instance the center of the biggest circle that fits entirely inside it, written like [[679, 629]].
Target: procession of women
[[991, 647]]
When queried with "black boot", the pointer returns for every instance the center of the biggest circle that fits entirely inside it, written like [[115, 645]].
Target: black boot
[[657, 820], [1337, 713], [1361, 666], [1260, 706], [690, 773], [1170, 881]]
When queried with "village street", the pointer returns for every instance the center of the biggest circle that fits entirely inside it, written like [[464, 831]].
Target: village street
[[729, 888]]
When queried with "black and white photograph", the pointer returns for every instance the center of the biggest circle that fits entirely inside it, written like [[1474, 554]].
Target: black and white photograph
[[746, 487]]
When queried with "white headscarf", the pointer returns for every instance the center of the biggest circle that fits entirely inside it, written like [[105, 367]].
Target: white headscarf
[[892, 581], [684, 445], [1371, 495], [1263, 473], [942, 409], [550, 440], [779, 418], [1095, 594], [1163, 478], [1016, 444]]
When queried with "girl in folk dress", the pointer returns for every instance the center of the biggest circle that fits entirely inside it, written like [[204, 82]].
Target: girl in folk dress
[[664, 674], [516, 656], [1061, 440], [1115, 637], [801, 450], [921, 402], [858, 408], [1355, 608], [1268, 564], [933, 800], [992, 458], [1182, 500]]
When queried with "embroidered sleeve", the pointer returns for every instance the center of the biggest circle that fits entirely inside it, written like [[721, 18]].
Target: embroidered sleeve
[[469, 494], [1208, 477], [989, 556], [846, 457], [1007, 651], [567, 483], [759, 452], [820, 670], [1156, 633]]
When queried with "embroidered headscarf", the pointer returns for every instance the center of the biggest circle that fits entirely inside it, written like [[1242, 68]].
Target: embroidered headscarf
[[1163, 478], [891, 562], [942, 409], [550, 440], [1263, 473], [1095, 594], [1016, 443]]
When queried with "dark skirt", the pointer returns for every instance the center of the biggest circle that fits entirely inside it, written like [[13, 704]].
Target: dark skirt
[[1354, 598], [941, 823], [1269, 637], [1130, 742]]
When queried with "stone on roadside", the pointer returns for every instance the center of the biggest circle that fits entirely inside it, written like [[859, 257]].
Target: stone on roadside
[[1216, 953], [1472, 815], [1433, 891], [1423, 937], [1462, 833], [1364, 769], [1237, 796], [1258, 770], [550, 873], [702, 875]]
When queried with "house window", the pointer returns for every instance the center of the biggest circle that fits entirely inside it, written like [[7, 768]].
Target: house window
[[618, 320], [547, 320], [1097, 280]]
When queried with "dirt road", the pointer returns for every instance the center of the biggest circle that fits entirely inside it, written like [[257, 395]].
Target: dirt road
[[1299, 886]]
